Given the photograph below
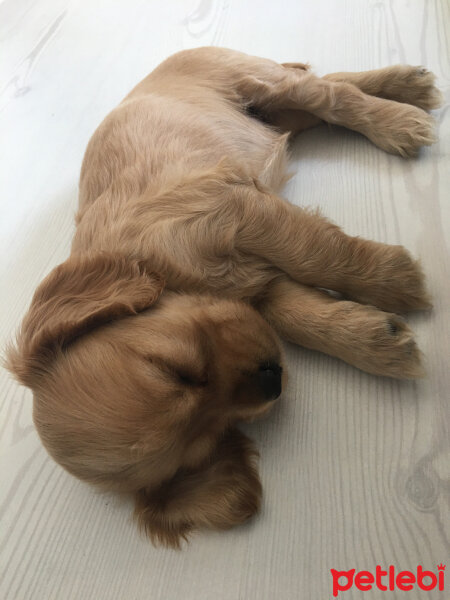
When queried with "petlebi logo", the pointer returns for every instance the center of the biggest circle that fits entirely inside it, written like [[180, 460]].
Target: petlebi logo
[[388, 579]]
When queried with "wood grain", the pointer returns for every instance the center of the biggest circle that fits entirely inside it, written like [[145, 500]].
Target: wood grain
[[355, 468]]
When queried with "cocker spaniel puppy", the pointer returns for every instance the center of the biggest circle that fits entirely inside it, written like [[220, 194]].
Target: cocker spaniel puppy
[[161, 330]]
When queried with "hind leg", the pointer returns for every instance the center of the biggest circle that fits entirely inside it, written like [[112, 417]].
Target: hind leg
[[402, 83], [393, 126]]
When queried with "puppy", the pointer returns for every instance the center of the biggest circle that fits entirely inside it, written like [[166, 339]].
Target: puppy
[[161, 330]]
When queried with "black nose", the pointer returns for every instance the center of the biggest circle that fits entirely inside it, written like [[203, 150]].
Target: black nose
[[269, 379]]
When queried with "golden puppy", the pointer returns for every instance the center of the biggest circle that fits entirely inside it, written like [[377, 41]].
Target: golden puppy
[[160, 331]]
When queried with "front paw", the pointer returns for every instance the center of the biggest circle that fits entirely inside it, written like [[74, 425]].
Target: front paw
[[392, 280], [383, 344]]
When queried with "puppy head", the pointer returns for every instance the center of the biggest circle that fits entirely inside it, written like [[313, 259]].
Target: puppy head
[[130, 385]]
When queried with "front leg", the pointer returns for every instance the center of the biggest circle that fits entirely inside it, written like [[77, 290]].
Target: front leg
[[317, 253], [372, 340]]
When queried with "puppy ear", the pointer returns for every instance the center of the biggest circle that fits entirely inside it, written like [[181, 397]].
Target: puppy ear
[[77, 296], [223, 492]]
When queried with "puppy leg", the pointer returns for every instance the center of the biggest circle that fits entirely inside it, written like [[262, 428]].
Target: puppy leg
[[294, 121], [395, 127], [372, 340], [224, 492], [402, 83], [317, 253]]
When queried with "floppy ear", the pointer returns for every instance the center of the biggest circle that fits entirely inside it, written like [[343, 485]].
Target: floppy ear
[[77, 296], [224, 491]]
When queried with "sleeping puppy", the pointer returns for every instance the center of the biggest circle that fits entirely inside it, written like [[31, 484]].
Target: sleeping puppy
[[161, 330]]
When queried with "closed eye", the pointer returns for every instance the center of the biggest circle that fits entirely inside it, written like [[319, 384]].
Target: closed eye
[[181, 374]]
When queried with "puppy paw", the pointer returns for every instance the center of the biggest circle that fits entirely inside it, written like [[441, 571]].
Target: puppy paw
[[393, 281], [402, 288], [389, 279], [402, 129], [413, 85], [383, 344], [393, 351]]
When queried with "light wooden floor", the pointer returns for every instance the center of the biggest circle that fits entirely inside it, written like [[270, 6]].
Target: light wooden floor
[[356, 469]]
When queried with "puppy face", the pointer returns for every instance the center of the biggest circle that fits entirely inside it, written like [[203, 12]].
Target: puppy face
[[127, 400]]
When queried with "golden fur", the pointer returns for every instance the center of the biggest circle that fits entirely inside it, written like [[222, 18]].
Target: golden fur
[[160, 331]]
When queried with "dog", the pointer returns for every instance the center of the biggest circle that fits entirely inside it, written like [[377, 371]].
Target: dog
[[161, 331]]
